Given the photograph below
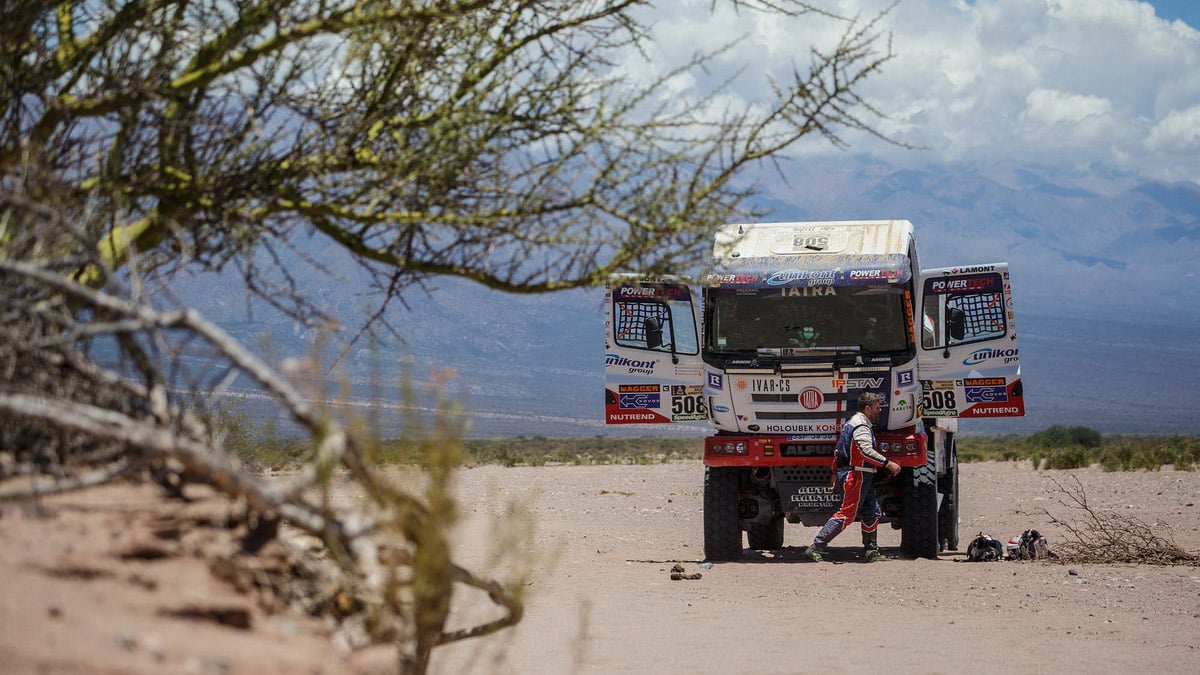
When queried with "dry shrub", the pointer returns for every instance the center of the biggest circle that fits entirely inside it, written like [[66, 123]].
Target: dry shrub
[[1107, 537], [99, 384]]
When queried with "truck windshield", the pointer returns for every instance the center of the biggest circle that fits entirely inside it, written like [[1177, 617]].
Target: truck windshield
[[870, 318]]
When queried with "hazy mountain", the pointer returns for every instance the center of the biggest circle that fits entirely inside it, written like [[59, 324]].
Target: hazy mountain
[[1105, 289]]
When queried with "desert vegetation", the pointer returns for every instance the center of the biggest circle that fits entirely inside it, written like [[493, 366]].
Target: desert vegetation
[[1052, 448], [1059, 447]]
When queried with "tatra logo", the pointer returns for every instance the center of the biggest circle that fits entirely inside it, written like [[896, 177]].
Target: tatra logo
[[808, 292], [811, 398]]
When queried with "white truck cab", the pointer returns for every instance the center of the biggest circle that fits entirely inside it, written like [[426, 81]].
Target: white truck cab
[[773, 346]]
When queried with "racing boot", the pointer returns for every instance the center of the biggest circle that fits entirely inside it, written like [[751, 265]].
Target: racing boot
[[815, 553], [871, 552]]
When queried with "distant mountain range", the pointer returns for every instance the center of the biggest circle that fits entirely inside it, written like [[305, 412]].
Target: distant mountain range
[[1104, 277]]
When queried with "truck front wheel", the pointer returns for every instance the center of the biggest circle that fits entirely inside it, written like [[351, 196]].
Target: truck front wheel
[[919, 532], [722, 532]]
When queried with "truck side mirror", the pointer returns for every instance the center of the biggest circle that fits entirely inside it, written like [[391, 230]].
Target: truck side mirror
[[654, 332], [956, 323]]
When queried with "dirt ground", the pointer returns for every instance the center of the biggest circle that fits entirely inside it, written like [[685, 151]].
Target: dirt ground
[[111, 581]]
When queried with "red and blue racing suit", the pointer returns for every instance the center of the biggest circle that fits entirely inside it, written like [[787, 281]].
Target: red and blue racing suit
[[856, 461]]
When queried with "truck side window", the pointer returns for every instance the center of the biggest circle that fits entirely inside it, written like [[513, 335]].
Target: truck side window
[[672, 320], [980, 298]]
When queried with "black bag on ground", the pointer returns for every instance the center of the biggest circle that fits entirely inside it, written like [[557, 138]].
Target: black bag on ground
[[984, 548]]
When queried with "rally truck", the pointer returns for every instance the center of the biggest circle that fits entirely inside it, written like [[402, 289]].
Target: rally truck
[[798, 319]]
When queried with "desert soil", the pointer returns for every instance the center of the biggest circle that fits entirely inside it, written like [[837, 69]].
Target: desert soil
[[118, 580]]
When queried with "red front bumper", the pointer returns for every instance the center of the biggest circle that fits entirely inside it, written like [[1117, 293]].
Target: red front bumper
[[906, 448]]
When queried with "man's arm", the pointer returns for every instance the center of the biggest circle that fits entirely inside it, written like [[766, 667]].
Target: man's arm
[[866, 445]]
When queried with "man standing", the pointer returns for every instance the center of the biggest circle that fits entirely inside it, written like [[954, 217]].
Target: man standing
[[857, 460]]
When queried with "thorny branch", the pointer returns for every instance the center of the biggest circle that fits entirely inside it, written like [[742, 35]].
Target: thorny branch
[[90, 393], [1097, 536]]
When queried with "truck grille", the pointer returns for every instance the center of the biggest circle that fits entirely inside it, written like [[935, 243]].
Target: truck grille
[[806, 475]]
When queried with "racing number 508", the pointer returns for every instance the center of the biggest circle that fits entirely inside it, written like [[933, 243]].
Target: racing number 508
[[939, 399], [687, 405]]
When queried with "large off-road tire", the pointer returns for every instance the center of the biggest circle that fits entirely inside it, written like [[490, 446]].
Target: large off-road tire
[[767, 536], [722, 532], [948, 511], [919, 531]]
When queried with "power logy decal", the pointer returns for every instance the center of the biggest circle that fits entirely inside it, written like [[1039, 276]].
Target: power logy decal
[[656, 292], [976, 284], [732, 280]]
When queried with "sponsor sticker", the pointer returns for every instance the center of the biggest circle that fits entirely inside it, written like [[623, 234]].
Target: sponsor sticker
[[716, 381], [687, 403], [977, 284], [770, 386], [857, 383], [638, 401], [985, 394], [988, 354]]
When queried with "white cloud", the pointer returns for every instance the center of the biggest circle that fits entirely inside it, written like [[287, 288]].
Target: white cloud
[[1178, 132], [1055, 81]]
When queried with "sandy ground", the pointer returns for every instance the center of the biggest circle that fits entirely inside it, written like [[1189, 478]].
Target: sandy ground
[[108, 582]]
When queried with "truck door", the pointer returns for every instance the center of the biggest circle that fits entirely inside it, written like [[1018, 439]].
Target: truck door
[[968, 360], [653, 371]]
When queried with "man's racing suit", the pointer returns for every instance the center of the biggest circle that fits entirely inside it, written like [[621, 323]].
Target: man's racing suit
[[856, 461]]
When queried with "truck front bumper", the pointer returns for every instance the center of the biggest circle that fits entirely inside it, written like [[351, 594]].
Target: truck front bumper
[[906, 448]]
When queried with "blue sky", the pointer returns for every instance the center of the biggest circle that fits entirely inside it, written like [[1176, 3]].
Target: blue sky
[[1187, 11], [1105, 86]]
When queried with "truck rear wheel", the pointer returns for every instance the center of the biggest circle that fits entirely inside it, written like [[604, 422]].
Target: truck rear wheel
[[919, 532], [722, 532], [766, 537]]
